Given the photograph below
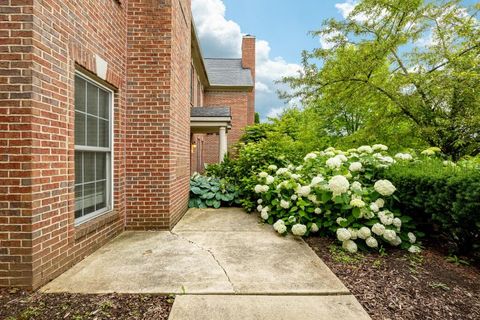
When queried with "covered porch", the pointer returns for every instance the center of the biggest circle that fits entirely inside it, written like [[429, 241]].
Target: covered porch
[[209, 121]]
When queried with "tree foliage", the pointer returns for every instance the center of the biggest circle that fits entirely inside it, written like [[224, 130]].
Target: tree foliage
[[413, 65]]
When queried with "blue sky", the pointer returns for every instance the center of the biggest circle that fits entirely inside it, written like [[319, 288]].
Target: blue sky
[[281, 28]]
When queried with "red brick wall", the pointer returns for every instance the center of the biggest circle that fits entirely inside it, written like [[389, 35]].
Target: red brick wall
[[179, 137], [248, 61], [238, 102], [37, 232], [157, 112]]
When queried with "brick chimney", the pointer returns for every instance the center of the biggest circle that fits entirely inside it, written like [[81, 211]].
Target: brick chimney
[[248, 61]]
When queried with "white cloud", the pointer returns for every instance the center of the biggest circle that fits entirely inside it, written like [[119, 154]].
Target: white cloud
[[220, 37], [346, 8], [275, 112]]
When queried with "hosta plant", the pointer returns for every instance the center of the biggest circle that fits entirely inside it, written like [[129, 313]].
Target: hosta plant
[[334, 192], [208, 192]]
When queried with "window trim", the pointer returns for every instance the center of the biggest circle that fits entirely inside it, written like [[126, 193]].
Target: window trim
[[109, 151]]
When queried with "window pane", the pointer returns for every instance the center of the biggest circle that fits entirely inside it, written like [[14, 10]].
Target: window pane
[[104, 104], [92, 99], [101, 195], [103, 136], [88, 198], [78, 168], [80, 93], [79, 128], [92, 131], [89, 166], [78, 201], [101, 166]]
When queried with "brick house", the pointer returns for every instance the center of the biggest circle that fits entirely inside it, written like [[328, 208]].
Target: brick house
[[106, 107]]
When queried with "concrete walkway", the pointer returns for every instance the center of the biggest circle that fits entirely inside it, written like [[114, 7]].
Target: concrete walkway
[[224, 264]]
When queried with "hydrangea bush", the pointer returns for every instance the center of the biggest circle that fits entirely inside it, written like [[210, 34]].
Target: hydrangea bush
[[334, 192]]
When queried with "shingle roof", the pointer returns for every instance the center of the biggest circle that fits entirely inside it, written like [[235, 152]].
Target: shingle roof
[[228, 73], [210, 112]]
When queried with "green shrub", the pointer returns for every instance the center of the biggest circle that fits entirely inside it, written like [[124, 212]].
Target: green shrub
[[208, 192], [441, 196]]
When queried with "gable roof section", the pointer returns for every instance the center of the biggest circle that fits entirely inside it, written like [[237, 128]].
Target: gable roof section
[[228, 73]]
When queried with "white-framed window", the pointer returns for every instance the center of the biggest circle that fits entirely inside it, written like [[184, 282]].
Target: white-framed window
[[93, 149]]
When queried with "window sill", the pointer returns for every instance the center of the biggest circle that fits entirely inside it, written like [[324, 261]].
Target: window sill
[[85, 228]]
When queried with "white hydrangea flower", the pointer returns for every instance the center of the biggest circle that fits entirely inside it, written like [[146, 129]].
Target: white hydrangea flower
[[299, 229], [330, 149], [358, 203], [414, 249], [371, 242], [374, 207], [380, 203], [338, 185], [270, 179], [259, 208], [411, 237], [281, 171], [284, 204], [365, 149], [356, 186], [364, 233], [329, 153], [378, 229], [277, 224], [334, 163], [343, 234], [397, 241], [387, 160], [350, 246], [318, 210], [259, 201], [386, 217], [290, 167], [353, 233], [264, 214], [311, 155], [341, 157], [313, 198], [282, 229], [303, 191], [390, 235], [381, 147], [340, 220], [404, 156], [299, 168], [317, 180], [368, 214], [384, 187], [263, 174], [261, 188], [294, 197], [314, 228], [397, 222], [355, 166], [428, 152], [296, 176], [272, 167], [447, 163]]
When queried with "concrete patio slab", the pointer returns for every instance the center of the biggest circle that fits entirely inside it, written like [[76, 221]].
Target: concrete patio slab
[[264, 262], [207, 253], [267, 308], [145, 262], [220, 220]]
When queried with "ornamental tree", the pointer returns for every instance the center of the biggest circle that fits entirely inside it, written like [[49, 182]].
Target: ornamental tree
[[417, 59]]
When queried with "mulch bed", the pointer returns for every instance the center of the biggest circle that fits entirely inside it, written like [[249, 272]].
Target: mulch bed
[[23, 305], [400, 285]]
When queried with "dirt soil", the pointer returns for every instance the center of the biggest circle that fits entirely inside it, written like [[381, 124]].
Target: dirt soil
[[22, 305], [400, 285]]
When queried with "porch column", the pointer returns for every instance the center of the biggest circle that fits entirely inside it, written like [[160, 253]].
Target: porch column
[[222, 143]]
